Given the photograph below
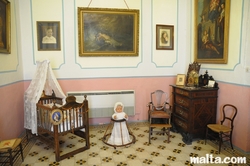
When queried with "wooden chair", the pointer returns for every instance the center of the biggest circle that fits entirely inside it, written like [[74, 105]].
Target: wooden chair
[[10, 151], [159, 113], [223, 131]]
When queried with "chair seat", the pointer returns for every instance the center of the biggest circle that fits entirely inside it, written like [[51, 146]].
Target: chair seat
[[219, 128], [17, 142], [224, 130], [10, 150], [159, 114]]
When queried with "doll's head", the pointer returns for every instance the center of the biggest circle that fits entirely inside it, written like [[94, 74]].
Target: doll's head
[[118, 107]]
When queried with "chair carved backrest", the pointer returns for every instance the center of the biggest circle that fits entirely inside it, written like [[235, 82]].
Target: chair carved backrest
[[159, 100], [229, 113]]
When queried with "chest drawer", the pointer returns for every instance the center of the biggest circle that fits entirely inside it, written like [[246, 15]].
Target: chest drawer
[[181, 92], [181, 112], [181, 100], [181, 123]]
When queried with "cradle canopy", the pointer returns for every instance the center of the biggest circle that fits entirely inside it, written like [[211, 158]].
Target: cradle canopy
[[44, 80]]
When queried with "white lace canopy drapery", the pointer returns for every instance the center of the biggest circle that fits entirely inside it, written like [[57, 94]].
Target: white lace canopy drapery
[[44, 79]]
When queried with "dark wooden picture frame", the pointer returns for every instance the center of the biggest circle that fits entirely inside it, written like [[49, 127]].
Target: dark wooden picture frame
[[164, 37], [211, 31], [108, 32], [5, 28], [48, 36]]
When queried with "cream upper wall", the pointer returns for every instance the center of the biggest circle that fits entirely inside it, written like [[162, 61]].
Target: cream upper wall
[[11, 68], [150, 62], [69, 65]]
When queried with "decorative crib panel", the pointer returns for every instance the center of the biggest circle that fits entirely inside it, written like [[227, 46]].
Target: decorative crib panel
[[54, 120]]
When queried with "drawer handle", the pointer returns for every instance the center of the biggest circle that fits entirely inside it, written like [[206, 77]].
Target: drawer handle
[[180, 112], [180, 124], [181, 101]]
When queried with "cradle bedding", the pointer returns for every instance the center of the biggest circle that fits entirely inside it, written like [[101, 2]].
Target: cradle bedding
[[55, 119], [70, 119]]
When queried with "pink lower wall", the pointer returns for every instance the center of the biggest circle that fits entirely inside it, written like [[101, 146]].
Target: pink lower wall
[[228, 93], [11, 110], [240, 97], [142, 86], [11, 125]]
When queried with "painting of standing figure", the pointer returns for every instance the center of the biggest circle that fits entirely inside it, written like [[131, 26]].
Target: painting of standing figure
[[211, 30]]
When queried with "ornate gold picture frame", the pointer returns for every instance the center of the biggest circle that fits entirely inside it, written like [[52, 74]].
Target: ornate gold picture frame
[[211, 31], [108, 32], [5, 29]]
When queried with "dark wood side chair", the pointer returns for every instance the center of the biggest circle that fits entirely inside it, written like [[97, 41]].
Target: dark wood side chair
[[223, 131], [10, 151], [159, 113]]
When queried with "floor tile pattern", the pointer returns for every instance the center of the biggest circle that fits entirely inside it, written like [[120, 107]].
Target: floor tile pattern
[[158, 153]]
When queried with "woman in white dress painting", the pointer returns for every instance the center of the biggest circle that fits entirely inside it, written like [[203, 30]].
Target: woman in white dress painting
[[120, 134]]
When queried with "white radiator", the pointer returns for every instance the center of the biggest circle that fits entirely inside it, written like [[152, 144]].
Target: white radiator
[[101, 103]]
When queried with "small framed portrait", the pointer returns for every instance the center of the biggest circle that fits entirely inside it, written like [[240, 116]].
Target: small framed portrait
[[56, 117], [48, 36], [180, 79], [211, 83], [164, 37]]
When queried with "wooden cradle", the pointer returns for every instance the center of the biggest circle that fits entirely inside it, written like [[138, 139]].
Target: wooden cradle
[[73, 118]]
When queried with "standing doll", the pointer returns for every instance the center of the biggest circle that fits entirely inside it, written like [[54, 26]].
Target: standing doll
[[120, 134]]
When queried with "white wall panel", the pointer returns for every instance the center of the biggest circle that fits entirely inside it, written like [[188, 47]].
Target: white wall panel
[[164, 12], [47, 10]]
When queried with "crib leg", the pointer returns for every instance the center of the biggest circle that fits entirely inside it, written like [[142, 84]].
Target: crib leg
[[56, 139]]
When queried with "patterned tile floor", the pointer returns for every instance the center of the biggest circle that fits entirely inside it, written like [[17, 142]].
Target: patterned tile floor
[[158, 153]]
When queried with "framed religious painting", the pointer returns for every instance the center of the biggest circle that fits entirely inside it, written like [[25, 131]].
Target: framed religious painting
[[211, 18], [164, 37], [5, 29], [48, 36], [108, 32]]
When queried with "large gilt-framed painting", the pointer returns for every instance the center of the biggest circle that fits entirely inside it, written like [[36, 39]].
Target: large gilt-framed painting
[[211, 19], [108, 32], [5, 31]]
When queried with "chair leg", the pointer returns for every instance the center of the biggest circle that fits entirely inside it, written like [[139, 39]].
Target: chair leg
[[11, 158], [149, 135], [168, 134], [220, 141], [164, 130], [231, 141], [21, 150], [206, 136]]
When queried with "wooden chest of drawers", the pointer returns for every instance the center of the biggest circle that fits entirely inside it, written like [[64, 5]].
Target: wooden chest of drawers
[[193, 109]]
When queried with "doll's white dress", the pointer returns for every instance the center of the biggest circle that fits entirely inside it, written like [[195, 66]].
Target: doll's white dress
[[120, 134]]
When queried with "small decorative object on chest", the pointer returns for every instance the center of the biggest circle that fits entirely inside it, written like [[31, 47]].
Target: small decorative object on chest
[[207, 81], [193, 74]]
